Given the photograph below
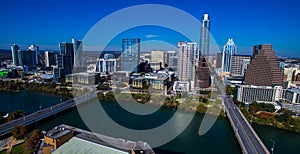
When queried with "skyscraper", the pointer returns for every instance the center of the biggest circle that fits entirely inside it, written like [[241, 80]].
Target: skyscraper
[[67, 50], [264, 69], [36, 51], [186, 62], [229, 49], [130, 54], [27, 58], [49, 58], [204, 36], [158, 56], [77, 47], [14, 53]]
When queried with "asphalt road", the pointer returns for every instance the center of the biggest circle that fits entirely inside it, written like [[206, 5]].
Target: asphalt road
[[251, 143]]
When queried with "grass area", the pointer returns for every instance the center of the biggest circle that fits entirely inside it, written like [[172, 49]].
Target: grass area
[[3, 152], [17, 149]]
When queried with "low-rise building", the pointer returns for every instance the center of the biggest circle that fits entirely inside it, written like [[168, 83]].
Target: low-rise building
[[83, 78], [250, 93], [68, 139]]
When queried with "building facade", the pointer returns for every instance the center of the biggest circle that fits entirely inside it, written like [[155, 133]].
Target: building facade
[[264, 69], [229, 50], [130, 54], [78, 53], [238, 64], [107, 64], [186, 62], [203, 73], [250, 93], [172, 59], [49, 58], [14, 53], [158, 56]]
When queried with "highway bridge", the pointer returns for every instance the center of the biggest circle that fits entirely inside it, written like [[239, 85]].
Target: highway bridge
[[44, 113], [249, 141]]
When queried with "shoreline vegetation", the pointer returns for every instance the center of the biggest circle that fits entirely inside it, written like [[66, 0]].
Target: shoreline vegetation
[[266, 114], [186, 104]]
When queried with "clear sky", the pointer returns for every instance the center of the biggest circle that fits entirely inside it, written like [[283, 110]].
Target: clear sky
[[48, 22]]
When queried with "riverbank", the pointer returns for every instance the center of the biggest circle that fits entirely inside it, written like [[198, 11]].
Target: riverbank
[[283, 119], [187, 104]]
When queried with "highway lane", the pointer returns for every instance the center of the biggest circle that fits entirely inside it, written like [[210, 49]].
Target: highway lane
[[250, 141]]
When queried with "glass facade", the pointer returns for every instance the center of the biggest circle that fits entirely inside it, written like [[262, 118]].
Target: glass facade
[[229, 50], [130, 54]]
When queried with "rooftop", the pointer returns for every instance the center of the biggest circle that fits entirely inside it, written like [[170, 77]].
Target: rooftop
[[57, 132]]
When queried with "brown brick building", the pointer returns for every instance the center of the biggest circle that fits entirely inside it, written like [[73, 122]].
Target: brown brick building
[[264, 69], [203, 73]]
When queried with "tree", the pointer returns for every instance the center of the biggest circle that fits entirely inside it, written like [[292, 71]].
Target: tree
[[19, 132], [15, 115], [32, 141]]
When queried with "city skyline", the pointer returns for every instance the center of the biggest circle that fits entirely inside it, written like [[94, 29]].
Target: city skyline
[[21, 28]]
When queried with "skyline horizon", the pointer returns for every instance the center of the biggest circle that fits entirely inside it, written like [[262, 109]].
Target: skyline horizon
[[247, 23]]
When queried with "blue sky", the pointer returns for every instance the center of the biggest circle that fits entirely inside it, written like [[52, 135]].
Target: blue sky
[[48, 22]]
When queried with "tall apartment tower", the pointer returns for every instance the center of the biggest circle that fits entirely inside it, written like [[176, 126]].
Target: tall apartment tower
[[130, 54], [78, 53], [14, 53], [186, 62], [158, 56], [204, 36], [229, 50], [264, 69]]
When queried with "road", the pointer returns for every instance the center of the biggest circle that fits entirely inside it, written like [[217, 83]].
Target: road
[[247, 137]]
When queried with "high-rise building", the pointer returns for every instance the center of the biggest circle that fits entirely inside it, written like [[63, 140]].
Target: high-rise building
[[203, 73], [172, 59], [27, 58], [158, 56], [229, 49], [130, 54], [238, 64], [186, 62], [264, 69], [35, 49], [14, 53], [67, 49], [49, 58], [78, 53], [204, 36]]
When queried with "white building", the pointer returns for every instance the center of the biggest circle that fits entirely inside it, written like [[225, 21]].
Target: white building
[[107, 64], [186, 62], [268, 94], [180, 86]]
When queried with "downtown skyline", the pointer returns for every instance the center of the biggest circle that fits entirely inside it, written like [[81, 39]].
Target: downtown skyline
[[248, 23]]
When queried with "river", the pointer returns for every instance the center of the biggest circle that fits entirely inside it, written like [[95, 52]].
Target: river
[[219, 139]]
